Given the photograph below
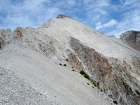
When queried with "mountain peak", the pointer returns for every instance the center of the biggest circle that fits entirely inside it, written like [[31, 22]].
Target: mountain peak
[[62, 16], [132, 38]]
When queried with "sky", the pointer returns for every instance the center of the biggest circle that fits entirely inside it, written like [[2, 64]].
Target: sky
[[111, 17]]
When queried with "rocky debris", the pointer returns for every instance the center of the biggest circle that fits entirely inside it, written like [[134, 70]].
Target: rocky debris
[[132, 38], [14, 91], [47, 48]]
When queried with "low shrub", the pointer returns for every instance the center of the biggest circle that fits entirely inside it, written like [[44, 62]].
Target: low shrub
[[127, 87], [85, 74], [138, 93], [97, 83], [94, 83], [115, 102], [82, 72]]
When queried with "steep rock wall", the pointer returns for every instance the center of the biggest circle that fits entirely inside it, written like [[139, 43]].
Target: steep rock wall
[[108, 74]]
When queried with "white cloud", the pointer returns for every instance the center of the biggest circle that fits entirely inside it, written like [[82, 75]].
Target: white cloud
[[111, 23], [34, 13], [27, 13], [95, 11], [130, 19], [86, 1], [99, 25], [105, 15], [103, 3], [71, 2]]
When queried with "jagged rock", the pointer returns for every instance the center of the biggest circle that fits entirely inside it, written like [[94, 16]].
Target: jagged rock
[[1, 43], [132, 38], [108, 73], [62, 16]]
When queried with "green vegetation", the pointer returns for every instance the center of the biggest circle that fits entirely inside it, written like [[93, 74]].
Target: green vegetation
[[115, 102], [73, 70], [82, 72], [65, 65], [85, 75], [138, 93], [96, 84], [67, 60], [127, 87]]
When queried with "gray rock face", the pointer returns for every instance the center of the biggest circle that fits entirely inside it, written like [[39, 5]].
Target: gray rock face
[[108, 74], [132, 38]]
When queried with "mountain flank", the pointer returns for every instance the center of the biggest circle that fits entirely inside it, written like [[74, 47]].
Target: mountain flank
[[65, 62]]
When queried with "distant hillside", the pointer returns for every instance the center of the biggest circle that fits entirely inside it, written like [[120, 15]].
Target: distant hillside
[[132, 38]]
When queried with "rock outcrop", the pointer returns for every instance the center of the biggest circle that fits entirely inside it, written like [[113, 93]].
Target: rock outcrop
[[132, 38], [108, 74], [62, 16]]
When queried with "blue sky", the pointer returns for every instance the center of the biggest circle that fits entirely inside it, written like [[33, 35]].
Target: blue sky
[[111, 17]]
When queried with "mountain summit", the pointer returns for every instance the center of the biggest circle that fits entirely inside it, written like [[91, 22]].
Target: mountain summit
[[62, 16], [65, 62]]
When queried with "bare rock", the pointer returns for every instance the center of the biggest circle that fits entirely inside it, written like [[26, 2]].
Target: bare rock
[[132, 38], [62, 16]]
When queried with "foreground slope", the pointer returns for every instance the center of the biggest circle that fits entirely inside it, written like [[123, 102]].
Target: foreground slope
[[38, 56], [59, 84]]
